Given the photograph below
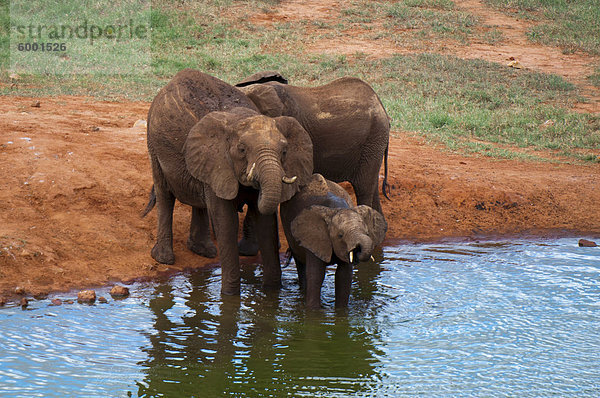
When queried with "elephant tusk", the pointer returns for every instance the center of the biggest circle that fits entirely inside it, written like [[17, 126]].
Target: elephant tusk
[[351, 257], [288, 180], [250, 172], [372, 258]]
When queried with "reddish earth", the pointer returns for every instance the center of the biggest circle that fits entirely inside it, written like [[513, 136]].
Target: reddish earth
[[75, 177]]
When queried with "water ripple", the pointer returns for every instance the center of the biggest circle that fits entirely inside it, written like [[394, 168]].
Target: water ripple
[[458, 319]]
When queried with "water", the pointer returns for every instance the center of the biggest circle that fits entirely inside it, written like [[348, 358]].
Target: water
[[516, 318]]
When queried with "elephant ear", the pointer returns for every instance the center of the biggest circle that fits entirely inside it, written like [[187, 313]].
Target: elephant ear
[[206, 153], [311, 231], [265, 98], [299, 159], [376, 225]]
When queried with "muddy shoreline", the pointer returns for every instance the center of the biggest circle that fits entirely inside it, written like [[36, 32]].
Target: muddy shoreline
[[73, 188]]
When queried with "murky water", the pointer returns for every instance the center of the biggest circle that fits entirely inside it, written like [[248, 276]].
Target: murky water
[[468, 319]]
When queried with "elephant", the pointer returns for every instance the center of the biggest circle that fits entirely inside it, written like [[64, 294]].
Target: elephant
[[348, 126], [210, 149], [323, 227]]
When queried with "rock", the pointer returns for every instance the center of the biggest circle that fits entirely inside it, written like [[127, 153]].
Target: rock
[[36, 104], [24, 302], [119, 291], [102, 300], [69, 301], [41, 296], [586, 243], [86, 296], [56, 301], [2, 301], [20, 290]]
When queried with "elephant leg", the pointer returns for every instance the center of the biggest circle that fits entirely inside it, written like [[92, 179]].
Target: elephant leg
[[301, 268], [315, 274], [343, 283], [375, 203], [163, 249], [248, 245], [223, 214], [268, 241], [199, 241], [366, 189], [364, 195]]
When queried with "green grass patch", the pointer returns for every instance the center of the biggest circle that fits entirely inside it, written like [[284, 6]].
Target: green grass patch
[[573, 25], [431, 18], [454, 101]]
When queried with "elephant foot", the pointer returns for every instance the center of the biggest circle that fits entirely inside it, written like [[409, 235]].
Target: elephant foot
[[205, 249], [248, 247], [163, 255]]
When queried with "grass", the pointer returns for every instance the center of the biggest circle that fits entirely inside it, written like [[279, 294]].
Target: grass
[[468, 106], [573, 25], [412, 22], [456, 101]]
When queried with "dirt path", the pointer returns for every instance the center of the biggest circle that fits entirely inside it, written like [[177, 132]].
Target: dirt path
[[514, 46], [575, 68], [75, 177]]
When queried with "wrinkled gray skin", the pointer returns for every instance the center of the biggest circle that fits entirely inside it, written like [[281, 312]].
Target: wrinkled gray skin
[[348, 126], [212, 150], [322, 227]]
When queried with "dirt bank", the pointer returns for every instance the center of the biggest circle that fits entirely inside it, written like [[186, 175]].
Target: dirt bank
[[75, 177]]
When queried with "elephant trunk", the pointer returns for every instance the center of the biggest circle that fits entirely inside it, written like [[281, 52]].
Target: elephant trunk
[[359, 248], [269, 174]]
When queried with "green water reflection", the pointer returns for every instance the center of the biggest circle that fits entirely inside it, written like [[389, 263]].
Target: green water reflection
[[257, 345]]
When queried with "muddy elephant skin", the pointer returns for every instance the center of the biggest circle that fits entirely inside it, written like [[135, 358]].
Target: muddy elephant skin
[[347, 123], [322, 227], [212, 150]]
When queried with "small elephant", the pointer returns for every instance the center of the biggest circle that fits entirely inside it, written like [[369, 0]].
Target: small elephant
[[348, 126], [212, 150], [322, 227]]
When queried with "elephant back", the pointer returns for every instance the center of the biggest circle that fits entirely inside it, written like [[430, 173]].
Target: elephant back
[[186, 99]]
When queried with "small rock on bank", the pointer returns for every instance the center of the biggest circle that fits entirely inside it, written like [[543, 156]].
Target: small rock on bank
[[586, 243], [119, 291], [56, 301], [86, 296]]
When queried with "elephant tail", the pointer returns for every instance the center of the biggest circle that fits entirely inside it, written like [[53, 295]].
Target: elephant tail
[[151, 202], [385, 188]]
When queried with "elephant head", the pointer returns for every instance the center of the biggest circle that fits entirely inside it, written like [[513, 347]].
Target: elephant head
[[240, 146], [350, 233]]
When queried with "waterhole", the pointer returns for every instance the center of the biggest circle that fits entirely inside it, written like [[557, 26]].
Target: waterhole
[[518, 318]]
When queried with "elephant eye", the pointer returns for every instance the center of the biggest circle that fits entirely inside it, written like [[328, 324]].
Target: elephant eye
[[340, 235], [242, 149], [284, 153]]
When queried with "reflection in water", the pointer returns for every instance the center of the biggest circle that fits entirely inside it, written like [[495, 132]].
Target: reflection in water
[[258, 344], [458, 319]]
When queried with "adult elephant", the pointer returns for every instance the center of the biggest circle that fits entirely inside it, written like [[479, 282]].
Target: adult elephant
[[347, 124], [212, 150]]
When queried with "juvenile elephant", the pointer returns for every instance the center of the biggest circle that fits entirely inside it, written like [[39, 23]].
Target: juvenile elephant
[[348, 126], [322, 227], [212, 150]]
